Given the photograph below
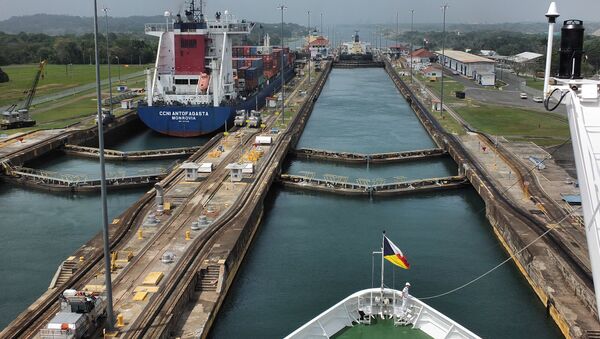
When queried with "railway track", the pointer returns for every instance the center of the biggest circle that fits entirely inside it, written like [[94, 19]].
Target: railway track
[[28, 323], [160, 310], [555, 214], [142, 327]]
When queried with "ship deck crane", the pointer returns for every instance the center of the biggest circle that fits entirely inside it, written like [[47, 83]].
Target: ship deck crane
[[17, 118]]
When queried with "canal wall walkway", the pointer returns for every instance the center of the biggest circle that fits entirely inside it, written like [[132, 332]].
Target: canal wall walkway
[[560, 281], [349, 157], [57, 182], [109, 154], [364, 188], [36, 144]]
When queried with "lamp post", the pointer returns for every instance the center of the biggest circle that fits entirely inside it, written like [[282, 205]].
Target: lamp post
[[412, 16], [321, 23], [282, 8], [108, 283], [110, 97], [309, 51], [444, 8], [119, 67]]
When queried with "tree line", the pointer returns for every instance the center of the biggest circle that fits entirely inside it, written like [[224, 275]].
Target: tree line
[[504, 43], [128, 48], [26, 48]]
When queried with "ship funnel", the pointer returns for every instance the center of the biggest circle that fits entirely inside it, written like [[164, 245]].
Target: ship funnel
[[571, 49]]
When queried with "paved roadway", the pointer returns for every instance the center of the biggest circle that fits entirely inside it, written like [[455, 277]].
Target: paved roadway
[[508, 96], [77, 90]]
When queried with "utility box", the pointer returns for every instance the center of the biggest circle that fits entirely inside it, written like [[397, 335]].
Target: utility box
[[436, 105], [271, 102], [263, 140], [248, 168], [127, 104], [235, 172], [205, 167], [191, 170]]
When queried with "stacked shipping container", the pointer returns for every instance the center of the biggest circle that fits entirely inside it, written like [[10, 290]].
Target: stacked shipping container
[[258, 64]]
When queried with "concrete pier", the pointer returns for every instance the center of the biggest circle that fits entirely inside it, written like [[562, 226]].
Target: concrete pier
[[207, 256], [562, 282], [369, 158], [371, 188], [17, 151]]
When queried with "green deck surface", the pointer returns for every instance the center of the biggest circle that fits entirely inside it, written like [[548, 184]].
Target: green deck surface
[[380, 329]]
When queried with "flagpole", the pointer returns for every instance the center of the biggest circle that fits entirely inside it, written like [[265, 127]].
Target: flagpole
[[382, 266]]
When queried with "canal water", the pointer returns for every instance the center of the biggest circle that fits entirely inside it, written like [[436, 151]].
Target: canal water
[[40, 229], [312, 250]]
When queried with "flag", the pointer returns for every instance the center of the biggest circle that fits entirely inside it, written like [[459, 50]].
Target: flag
[[393, 254]]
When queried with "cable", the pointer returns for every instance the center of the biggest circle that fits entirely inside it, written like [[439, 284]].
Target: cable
[[547, 101], [503, 262]]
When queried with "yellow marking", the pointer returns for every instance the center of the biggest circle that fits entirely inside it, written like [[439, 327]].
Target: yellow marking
[[140, 296], [153, 278], [167, 206], [149, 289], [71, 258], [115, 221], [94, 288], [556, 316], [120, 320], [125, 255]]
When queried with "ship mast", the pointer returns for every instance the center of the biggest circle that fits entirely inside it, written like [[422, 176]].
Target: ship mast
[[583, 110]]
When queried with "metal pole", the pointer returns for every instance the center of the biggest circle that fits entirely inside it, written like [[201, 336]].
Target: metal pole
[[118, 67], [309, 52], [444, 7], [552, 14], [412, 16], [110, 97], [109, 302], [282, 7], [397, 30], [382, 263], [321, 23]]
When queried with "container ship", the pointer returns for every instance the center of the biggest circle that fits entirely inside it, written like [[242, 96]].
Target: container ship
[[200, 80]]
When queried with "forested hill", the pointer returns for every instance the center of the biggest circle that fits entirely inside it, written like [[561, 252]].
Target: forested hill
[[67, 24], [76, 25]]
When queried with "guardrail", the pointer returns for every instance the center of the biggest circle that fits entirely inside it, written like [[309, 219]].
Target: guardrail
[[373, 158], [109, 154]]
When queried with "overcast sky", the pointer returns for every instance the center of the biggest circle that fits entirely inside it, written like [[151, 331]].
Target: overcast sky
[[334, 11]]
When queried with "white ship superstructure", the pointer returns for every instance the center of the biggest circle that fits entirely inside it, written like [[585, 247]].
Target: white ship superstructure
[[194, 60], [356, 47]]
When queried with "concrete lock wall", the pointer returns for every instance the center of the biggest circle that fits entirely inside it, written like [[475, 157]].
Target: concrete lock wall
[[505, 225]]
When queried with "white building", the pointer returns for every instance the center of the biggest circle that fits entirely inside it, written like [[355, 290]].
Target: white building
[[432, 72], [480, 69]]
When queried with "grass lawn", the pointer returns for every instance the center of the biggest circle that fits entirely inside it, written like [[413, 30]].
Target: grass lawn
[[517, 124], [535, 83], [449, 124], [450, 87], [56, 79], [73, 109]]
